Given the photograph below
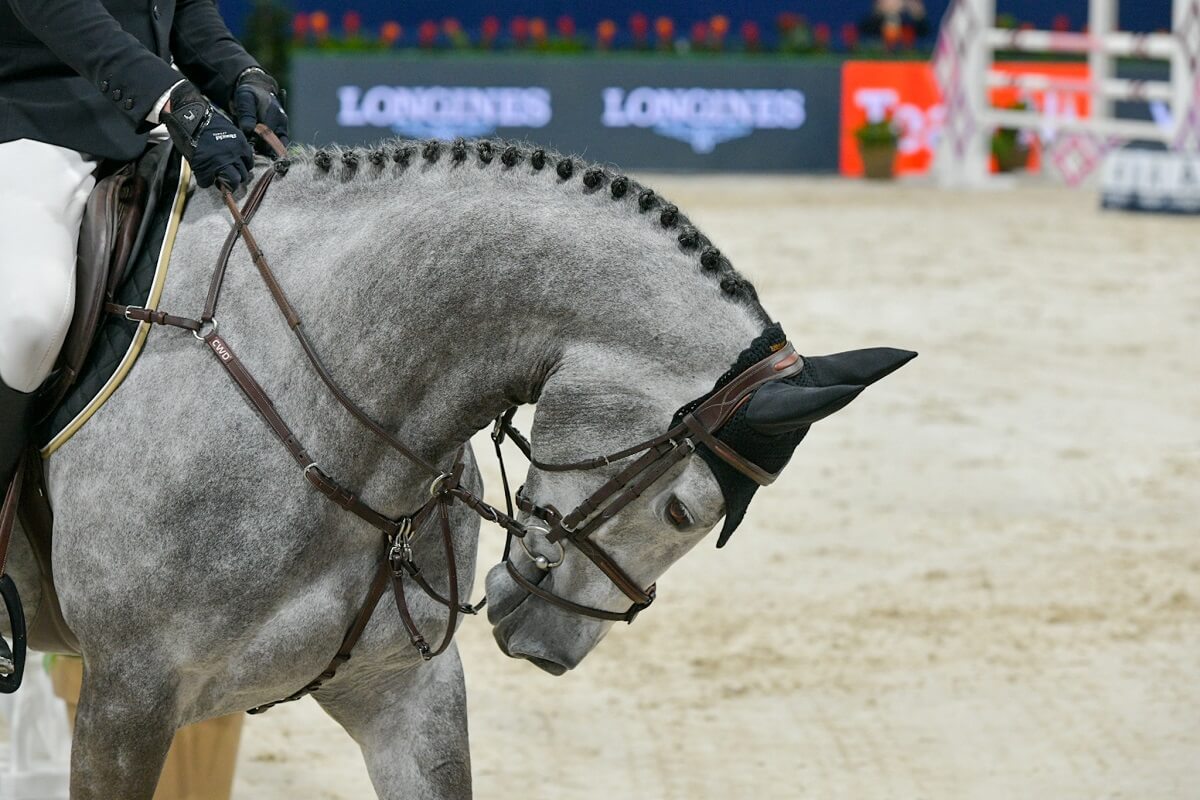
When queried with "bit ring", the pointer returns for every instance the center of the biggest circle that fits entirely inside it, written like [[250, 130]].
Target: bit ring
[[540, 561]]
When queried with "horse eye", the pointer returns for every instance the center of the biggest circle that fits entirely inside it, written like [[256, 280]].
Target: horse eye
[[678, 514]]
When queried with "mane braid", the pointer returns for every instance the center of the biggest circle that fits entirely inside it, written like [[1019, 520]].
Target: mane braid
[[621, 188]]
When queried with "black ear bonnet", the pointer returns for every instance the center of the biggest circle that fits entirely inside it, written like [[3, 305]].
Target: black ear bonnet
[[772, 453], [840, 377]]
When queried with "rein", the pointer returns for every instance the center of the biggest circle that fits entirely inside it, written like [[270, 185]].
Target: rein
[[656, 456]]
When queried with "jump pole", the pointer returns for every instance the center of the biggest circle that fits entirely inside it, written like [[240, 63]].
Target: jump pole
[[964, 65]]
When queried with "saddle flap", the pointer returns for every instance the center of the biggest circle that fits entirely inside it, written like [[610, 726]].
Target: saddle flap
[[97, 236], [109, 237]]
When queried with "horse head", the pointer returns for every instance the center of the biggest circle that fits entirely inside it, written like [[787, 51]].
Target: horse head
[[637, 453]]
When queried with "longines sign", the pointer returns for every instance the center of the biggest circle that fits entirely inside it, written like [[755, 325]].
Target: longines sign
[[703, 117], [443, 111], [641, 113]]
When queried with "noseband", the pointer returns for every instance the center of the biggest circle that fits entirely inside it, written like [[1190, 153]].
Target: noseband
[[656, 457]]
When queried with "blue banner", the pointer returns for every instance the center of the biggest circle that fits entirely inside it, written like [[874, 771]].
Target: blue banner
[[738, 114]]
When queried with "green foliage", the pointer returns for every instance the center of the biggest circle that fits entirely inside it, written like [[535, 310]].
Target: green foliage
[[877, 134], [1006, 142], [266, 38]]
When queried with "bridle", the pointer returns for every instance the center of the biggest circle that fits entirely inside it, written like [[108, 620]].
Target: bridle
[[655, 457]]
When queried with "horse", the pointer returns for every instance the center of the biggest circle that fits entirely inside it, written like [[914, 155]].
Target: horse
[[444, 284]]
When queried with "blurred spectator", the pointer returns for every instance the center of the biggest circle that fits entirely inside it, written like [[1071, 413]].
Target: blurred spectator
[[892, 16]]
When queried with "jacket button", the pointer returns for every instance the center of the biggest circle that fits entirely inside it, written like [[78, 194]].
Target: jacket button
[[116, 94], [129, 104], [154, 10], [104, 86]]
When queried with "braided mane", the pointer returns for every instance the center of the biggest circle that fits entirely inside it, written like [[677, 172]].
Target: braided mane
[[347, 163]]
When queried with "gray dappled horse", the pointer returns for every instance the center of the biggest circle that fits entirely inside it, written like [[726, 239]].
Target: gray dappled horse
[[201, 573]]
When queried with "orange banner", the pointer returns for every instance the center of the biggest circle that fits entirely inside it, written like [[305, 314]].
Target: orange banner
[[907, 93]]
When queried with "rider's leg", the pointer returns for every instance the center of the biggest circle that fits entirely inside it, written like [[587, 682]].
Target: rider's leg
[[43, 189]]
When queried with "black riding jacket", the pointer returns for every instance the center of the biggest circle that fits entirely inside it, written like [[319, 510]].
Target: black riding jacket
[[84, 74]]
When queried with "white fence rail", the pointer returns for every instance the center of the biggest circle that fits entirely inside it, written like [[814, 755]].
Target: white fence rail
[[964, 65]]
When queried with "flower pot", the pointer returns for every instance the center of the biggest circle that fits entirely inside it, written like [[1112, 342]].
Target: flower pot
[[1011, 159], [201, 761], [879, 160]]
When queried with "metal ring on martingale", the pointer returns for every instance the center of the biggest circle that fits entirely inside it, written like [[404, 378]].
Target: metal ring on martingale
[[540, 561], [435, 488], [200, 334]]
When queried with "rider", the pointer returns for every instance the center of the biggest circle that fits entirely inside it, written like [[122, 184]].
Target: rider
[[83, 81]]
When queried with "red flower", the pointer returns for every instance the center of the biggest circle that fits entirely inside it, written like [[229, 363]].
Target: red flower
[[451, 26], [788, 21], [664, 29], [390, 32], [699, 32], [719, 25], [751, 35], [538, 29], [891, 33], [519, 28], [639, 26], [908, 35], [491, 28], [822, 35], [427, 33], [299, 25], [565, 26], [606, 31], [850, 35], [351, 23], [319, 21], [1062, 23]]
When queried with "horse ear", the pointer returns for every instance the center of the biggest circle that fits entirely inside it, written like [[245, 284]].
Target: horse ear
[[779, 407], [857, 367]]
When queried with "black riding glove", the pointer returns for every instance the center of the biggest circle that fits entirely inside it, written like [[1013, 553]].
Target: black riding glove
[[210, 142], [255, 100]]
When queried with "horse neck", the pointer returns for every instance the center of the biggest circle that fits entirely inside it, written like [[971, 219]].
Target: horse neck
[[443, 298]]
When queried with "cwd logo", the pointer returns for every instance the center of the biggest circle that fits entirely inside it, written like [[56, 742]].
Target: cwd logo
[[220, 349], [704, 118], [444, 112]]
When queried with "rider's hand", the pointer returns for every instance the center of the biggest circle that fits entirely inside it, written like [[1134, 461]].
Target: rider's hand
[[211, 144], [255, 100]]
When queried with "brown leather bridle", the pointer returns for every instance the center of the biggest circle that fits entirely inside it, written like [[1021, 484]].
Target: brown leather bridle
[[655, 457]]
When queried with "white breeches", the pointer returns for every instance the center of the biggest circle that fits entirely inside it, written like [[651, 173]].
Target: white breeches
[[43, 189]]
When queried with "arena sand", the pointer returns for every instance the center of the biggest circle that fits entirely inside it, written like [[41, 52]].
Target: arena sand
[[981, 580]]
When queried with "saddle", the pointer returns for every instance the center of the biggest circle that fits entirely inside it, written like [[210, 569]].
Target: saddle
[[123, 221], [114, 227]]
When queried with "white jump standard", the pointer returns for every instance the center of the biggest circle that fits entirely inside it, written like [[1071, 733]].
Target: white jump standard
[[964, 64]]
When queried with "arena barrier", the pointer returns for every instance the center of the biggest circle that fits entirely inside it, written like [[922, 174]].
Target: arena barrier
[[1076, 146]]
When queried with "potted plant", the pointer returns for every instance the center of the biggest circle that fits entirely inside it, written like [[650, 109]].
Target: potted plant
[[1010, 147], [878, 143]]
